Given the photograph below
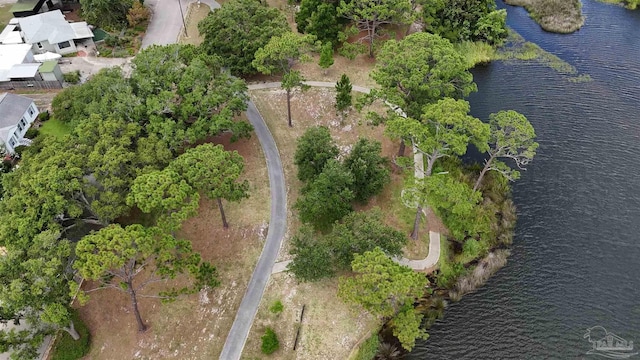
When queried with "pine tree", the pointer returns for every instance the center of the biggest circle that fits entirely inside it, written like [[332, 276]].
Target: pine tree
[[343, 93], [326, 56]]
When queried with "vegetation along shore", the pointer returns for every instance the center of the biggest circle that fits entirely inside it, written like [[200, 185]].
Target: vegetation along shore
[[133, 229]]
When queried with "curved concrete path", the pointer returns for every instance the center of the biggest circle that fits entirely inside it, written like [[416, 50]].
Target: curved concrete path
[[237, 337], [434, 237]]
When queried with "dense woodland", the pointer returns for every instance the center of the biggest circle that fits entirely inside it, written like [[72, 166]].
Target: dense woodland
[[133, 149]]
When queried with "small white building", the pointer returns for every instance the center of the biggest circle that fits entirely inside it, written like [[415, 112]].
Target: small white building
[[50, 31], [17, 113]]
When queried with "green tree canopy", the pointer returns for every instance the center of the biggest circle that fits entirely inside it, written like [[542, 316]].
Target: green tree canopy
[[165, 194], [327, 198], [386, 290], [116, 258], [315, 148], [213, 171], [187, 95], [370, 15], [110, 14], [381, 286], [326, 56], [238, 29], [319, 18], [512, 137], [344, 99], [369, 169], [279, 56], [419, 70], [312, 256], [34, 288], [316, 256], [360, 232], [466, 20]]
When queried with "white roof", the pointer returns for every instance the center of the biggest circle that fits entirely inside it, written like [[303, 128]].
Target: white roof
[[81, 30], [50, 26], [12, 54], [23, 71], [10, 36]]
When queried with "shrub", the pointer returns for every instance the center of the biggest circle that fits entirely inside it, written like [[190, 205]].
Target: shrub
[[44, 116], [368, 348], [31, 133], [65, 348], [138, 14], [18, 150], [270, 343], [276, 307], [72, 77]]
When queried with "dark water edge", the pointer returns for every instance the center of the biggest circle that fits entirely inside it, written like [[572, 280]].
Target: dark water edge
[[575, 258]]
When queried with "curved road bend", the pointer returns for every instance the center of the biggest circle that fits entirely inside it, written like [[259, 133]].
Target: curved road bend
[[277, 226]]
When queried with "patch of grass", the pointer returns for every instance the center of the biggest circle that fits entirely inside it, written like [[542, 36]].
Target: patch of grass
[[560, 16], [368, 348], [72, 77], [476, 52], [276, 307], [65, 348], [55, 128], [5, 14], [195, 14]]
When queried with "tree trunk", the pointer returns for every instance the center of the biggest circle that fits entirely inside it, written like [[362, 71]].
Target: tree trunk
[[134, 300], [72, 331], [288, 108], [224, 217], [482, 173], [416, 223], [430, 162], [372, 32], [401, 149]]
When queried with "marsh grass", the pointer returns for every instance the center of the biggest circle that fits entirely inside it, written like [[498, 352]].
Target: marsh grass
[[559, 16], [517, 48], [480, 274], [476, 52]]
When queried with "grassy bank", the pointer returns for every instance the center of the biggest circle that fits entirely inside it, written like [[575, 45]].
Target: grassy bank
[[517, 48], [629, 4], [559, 16]]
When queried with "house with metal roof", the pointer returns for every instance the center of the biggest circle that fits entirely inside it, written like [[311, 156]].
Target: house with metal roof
[[50, 31], [17, 113]]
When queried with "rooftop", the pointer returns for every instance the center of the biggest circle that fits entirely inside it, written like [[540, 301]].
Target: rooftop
[[12, 54], [48, 66], [12, 108], [50, 26], [24, 5]]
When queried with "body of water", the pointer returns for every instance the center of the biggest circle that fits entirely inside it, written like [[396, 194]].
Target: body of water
[[576, 255]]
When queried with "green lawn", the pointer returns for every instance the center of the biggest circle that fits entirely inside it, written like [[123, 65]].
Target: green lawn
[[55, 127], [5, 15]]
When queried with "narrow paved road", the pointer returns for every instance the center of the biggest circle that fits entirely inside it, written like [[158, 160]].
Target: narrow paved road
[[164, 28], [166, 20], [237, 337]]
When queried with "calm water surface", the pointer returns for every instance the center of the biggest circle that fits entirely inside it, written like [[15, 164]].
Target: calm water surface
[[576, 255]]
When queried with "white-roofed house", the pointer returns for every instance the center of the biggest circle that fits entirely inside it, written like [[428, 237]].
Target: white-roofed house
[[50, 31], [17, 113]]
